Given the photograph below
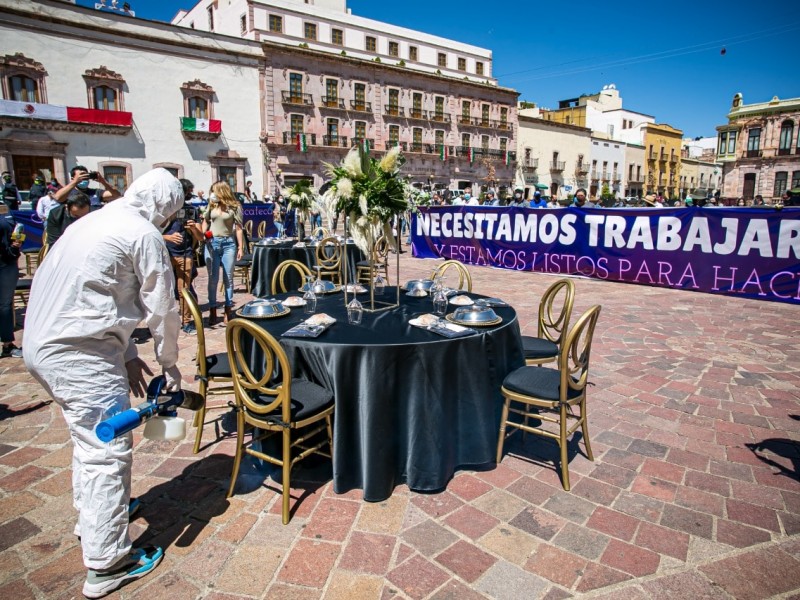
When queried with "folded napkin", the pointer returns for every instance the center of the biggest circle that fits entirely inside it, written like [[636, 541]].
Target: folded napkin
[[441, 327], [311, 327]]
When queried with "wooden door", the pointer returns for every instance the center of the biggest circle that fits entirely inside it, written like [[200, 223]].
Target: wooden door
[[25, 167], [749, 188]]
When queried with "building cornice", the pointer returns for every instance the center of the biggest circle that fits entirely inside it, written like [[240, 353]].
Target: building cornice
[[555, 124]]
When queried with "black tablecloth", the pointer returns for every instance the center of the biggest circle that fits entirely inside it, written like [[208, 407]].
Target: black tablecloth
[[266, 259], [411, 406]]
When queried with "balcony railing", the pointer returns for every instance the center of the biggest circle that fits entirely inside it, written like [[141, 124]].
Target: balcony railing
[[357, 140], [415, 147], [333, 102], [673, 159], [753, 154], [582, 168], [393, 143], [293, 98], [440, 117], [604, 175], [531, 163], [390, 110], [557, 165], [311, 138], [336, 141], [504, 125], [784, 151], [466, 120], [615, 176], [360, 106], [417, 113], [652, 155], [662, 157]]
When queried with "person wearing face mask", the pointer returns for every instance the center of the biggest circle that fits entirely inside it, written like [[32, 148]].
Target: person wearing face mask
[[517, 199], [9, 192], [38, 190], [109, 272], [80, 180]]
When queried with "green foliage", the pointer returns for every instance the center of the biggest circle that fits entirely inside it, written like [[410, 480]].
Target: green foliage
[[300, 196], [525, 104], [303, 45], [343, 53], [377, 59], [438, 71], [402, 63], [606, 193]]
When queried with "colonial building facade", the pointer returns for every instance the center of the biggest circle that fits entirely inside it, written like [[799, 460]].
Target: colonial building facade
[[251, 104], [759, 149]]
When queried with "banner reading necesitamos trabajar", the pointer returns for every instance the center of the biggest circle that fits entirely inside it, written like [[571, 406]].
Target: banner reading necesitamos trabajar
[[749, 252]]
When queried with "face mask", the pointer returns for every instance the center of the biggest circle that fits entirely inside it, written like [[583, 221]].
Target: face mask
[[83, 185], [517, 196]]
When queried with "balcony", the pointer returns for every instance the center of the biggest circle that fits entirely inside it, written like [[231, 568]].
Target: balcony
[[636, 179], [440, 117], [200, 129], [784, 151], [361, 106], [332, 102], [662, 157], [356, 141], [485, 123], [673, 159], [616, 177], [530, 164], [27, 115], [334, 141], [419, 114], [393, 143], [288, 138], [288, 97], [416, 147], [466, 120], [581, 169], [753, 154], [504, 125], [390, 110], [557, 166], [604, 175]]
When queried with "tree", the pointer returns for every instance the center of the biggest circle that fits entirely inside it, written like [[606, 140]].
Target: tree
[[606, 193]]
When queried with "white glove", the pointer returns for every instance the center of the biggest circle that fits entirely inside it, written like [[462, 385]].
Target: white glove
[[173, 377]]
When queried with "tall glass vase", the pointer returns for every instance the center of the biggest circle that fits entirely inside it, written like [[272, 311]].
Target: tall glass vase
[[382, 296]]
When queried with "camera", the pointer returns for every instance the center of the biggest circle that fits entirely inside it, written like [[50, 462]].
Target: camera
[[188, 213], [93, 175]]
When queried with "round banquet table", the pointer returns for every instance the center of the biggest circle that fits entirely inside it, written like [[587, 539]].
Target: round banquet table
[[267, 257], [411, 406]]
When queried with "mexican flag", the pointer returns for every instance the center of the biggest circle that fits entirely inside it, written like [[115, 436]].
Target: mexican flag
[[209, 125], [507, 159], [471, 154], [302, 146], [443, 152], [71, 114], [365, 145]]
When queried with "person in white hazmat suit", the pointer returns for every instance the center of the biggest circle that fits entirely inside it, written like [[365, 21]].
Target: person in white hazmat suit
[[110, 271]]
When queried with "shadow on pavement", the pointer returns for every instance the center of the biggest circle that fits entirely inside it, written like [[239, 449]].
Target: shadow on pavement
[[772, 450]]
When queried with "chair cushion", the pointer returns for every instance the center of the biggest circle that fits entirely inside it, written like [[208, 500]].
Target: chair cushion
[[243, 263], [308, 399], [24, 284], [365, 264], [32, 250], [539, 382], [535, 347], [217, 365]]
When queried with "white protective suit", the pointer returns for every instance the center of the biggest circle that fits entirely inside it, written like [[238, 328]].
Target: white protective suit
[[108, 272]]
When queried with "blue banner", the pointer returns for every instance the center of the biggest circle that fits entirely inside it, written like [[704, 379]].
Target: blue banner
[[747, 252], [258, 213]]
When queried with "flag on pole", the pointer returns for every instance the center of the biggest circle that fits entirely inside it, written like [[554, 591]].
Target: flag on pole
[[471, 154], [443, 152], [507, 160], [209, 125], [365, 145], [301, 142], [57, 112]]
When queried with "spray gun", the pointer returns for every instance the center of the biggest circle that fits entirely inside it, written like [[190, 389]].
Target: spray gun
[[159, 412]]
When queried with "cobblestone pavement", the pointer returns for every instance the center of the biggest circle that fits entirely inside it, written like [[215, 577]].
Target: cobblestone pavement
[[694, 417]]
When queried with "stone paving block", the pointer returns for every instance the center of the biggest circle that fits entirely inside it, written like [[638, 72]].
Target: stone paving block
[[18, 590], [418, 577], [437, 505], [470, 521], [700, 501], [510, 543], [15, 531], [383, 517], [683, 585], [532, 490], [468, 487], [596, 491], [623, 458], [538, 522], [708, 483], [346, 586], [282, 591], [429, 538], [501, 476], [20, 479], [168, 586], [309, 563], [630, 559], [654, 488], [731, 470], [332, 519], [597, 576], [18, 504], [22, 456], [740, 536], [663, 541], [570, 507], [613, 523], [505, 581], [58, 574], [500, 504], [757, 494], [466, 560], [662, 470], [455, 590], [613, 475], [688, 521], [579, 540], [368, 553], [751, 514], [755, 575], [556, 565]]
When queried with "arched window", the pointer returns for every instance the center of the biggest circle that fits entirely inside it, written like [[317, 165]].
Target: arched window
[[198, 107], [787, 131], [22, 78], [105, 89]]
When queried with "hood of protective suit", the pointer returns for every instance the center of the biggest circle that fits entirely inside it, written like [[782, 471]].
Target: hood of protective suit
[[156, 195]]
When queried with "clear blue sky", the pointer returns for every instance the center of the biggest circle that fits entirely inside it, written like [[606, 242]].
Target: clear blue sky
[[664, 57]]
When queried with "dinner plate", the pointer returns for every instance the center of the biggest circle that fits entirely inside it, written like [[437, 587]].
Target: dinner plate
[[452, 319], [355, 289], [283, 313], [461, 301], [294, 301]]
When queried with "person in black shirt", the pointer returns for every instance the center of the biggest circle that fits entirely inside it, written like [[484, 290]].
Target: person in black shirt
[[9, 192], [64, 215], [37, 190], [9, 274]]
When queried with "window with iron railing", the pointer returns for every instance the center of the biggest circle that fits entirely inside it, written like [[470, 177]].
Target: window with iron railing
[[295, 87], [360, 130], [503, 145], [781, 178], [466, 140], [394, 134], [754, 142], [485, 115], [438, 138]]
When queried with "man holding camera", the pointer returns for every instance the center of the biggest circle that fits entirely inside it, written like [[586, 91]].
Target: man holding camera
[[81, 179], [64, 215], [182, 235]]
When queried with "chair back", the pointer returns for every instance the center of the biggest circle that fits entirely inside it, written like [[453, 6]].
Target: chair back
[[464, 278], [279, 276], [197, 317], [329, 257], [248, 228], [573, 357], [555, 311], [262, 230], [270, 386], [320, 232], [380, 251]]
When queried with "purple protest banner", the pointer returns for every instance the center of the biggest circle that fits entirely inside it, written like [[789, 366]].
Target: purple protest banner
[[747, 252], [258, 213]]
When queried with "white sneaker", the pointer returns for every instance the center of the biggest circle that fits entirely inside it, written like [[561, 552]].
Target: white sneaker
[[140, 562]]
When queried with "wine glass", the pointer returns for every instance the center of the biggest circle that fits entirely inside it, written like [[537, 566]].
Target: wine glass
[[319, 287], [379, 285], [309, 296], [354, 312], [439, 303]]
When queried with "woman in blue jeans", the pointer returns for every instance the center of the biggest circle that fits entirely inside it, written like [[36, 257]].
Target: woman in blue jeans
[[9, 274], [224, 220]]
